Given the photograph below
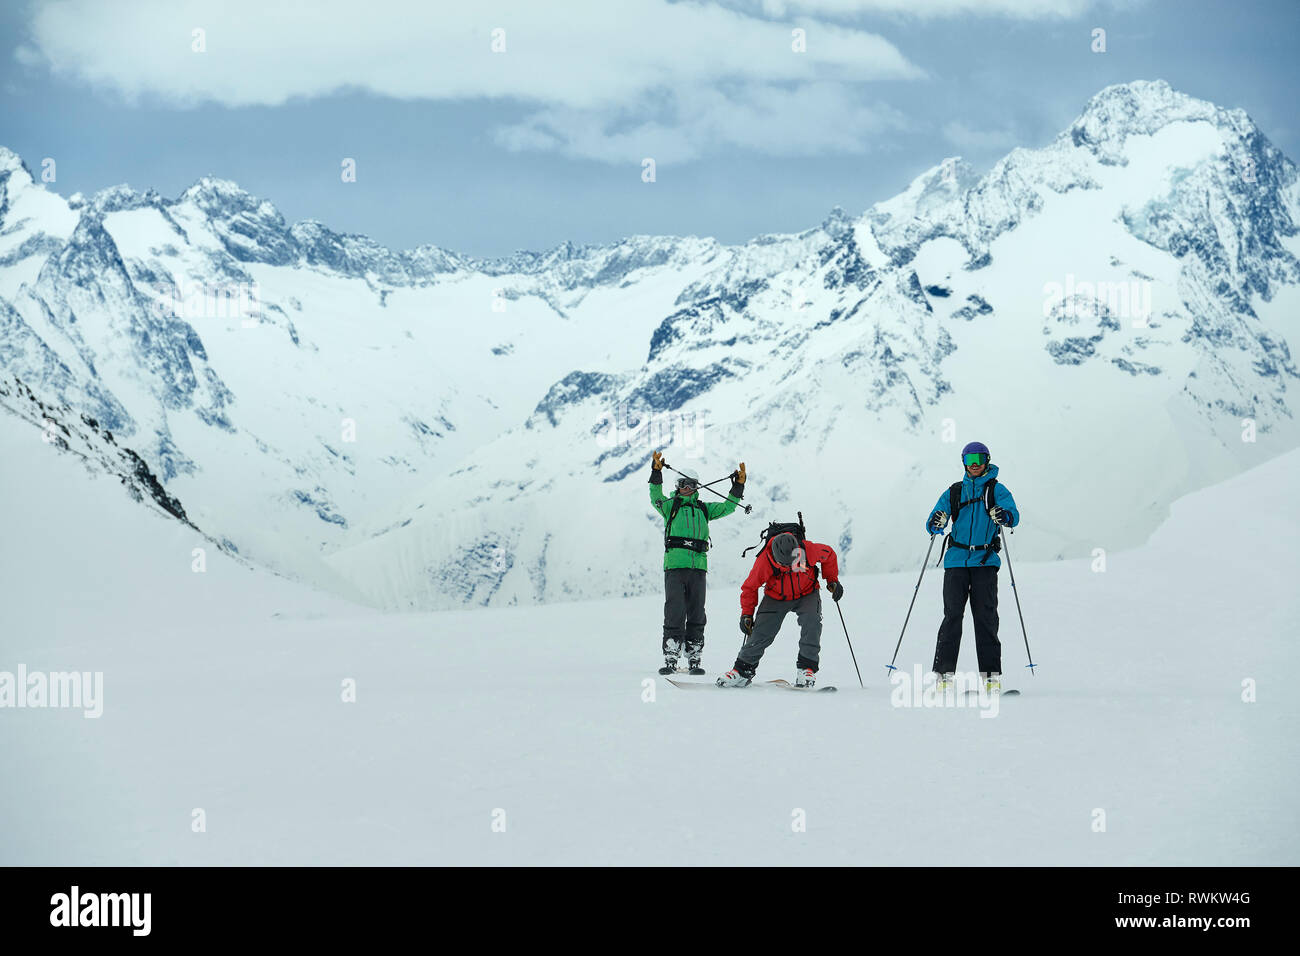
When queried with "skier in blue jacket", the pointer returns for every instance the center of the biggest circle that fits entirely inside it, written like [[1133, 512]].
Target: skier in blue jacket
[[979, 507]]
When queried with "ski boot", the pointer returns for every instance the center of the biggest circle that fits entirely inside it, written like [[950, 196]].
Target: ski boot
[[947, 682], [993, 683], [670, 666], [695, 670], [735, 678], [805, 677]]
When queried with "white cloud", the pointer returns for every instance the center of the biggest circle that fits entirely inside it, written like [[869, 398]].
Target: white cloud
[[925, 9], [811, 119], [960, 134], [605, 77]]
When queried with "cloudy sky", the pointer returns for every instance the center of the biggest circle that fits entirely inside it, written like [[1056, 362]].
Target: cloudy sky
[[488, 127]]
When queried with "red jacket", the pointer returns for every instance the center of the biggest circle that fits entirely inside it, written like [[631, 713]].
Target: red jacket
[[785, 584]]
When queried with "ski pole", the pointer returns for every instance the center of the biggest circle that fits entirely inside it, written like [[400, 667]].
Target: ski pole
[[1016, 593], [890, 666], [730, 477], [745, 508], [851, 654]]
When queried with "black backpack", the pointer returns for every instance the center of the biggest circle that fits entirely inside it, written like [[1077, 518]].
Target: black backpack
[[782, 527], [778, 527], [955, 504]]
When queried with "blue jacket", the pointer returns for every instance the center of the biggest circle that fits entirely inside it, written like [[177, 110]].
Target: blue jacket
[[973, 525]]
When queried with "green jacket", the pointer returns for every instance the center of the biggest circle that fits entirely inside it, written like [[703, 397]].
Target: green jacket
[[691, 521]]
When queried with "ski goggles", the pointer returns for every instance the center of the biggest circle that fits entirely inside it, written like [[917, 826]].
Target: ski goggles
[[975, 458], [687, 484]]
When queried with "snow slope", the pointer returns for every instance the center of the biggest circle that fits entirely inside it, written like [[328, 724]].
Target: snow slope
[[222, 692]]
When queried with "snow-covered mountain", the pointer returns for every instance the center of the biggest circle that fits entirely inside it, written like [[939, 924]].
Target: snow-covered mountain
[[284, 381], [1111, 313]]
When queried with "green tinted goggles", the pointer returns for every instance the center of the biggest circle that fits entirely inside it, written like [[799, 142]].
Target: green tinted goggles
[[976, 458]]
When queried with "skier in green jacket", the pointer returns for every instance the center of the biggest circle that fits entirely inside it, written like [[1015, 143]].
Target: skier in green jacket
[[686, 539]]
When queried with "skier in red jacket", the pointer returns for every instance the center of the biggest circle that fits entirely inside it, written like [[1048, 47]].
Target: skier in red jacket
[[786, 570]]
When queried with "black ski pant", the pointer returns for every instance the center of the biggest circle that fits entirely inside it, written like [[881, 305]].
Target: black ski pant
[[684, 613], [980, 584], [767, 621]]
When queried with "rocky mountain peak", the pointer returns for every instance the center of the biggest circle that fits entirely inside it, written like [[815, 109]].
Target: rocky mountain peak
[[1139, 108]]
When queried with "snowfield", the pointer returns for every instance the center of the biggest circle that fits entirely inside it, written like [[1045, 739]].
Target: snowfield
[[222, 692]]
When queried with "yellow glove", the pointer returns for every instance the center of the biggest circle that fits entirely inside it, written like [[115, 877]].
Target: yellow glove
[[657, 462], [740, 473]]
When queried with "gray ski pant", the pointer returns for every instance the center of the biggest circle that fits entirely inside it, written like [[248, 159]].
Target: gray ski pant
[[767, 621]]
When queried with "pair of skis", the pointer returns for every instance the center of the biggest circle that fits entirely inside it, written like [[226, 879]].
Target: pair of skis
[[786, 685], [783, 684]]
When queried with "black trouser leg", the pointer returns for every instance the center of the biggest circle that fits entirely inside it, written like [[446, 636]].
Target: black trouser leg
[[984, 608], [675, 584], [956, 585], [695, 587]]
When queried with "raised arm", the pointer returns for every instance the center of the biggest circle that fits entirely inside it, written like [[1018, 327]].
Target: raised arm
[[720, 509], [657, 496]]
